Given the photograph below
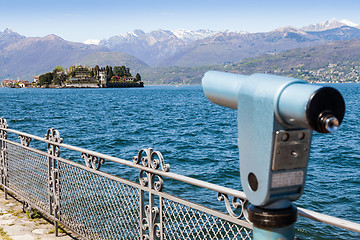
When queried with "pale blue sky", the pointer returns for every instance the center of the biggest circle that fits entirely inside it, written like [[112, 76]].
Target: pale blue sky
[[79, 20]]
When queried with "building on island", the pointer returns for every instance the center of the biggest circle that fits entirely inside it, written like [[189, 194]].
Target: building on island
[[86, 77], [15, 83], [36, 79], [102, 79]]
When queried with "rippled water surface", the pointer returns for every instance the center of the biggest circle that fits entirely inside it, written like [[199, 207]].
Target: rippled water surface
[[196, 137]]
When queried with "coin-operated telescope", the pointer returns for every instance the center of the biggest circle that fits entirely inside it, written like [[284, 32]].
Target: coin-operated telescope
[[276, 116]]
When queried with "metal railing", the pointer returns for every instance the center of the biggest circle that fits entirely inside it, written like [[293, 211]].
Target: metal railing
[[97, 205]]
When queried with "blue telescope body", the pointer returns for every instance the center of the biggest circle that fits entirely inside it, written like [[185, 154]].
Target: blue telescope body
[[276, 116]]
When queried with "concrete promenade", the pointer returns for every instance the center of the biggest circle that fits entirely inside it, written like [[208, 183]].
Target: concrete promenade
[[16, 225]]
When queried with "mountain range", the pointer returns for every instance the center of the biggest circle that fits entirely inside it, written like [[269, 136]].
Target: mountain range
[[337, 61], [205, 47], [25, 57]]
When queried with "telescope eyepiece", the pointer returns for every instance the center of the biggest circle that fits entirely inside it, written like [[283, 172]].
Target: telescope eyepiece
[[329, 123], [326, 110], [332, 124]]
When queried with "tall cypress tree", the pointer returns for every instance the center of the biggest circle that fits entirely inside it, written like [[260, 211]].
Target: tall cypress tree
[[110, 74], [138, 77]]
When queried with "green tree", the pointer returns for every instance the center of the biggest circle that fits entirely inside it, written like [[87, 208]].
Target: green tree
[[46, 79], [58, 78], [72, 68], [122, 71], [118, 71], [110, 73], [138, 77], [127, 72], [58, 69], [96, 71]]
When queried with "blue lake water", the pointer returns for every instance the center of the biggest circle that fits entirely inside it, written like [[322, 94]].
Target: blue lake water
[[196, 137]]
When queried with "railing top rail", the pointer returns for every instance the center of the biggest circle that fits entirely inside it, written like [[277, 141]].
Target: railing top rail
[[345, 224], [334, 221]]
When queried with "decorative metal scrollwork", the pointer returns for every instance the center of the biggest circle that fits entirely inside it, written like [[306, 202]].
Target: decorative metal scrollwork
[[92, 161], [236, 203], [153, 160], [143, 180], [3, 153], [150, 161], [3, 124], [53, 135], [157, 228], [25, 141], [54, 183], [3, 166], [150, 220]]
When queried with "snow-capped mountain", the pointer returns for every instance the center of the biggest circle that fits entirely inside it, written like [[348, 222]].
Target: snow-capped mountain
[[190, 36], [330, 24], [204, 47], [182, 34], [156, 46], [349, 23], [160, 35]]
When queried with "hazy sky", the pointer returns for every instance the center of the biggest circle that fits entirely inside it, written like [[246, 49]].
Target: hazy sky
[[79, 20]]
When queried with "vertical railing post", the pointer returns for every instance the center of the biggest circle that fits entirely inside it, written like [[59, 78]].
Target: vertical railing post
[[141, 213], [151, 226], [53, 136], [4, 155], [161, 218], [151, 210]]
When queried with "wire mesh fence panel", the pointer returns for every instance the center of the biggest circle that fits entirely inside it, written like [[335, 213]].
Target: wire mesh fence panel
[[28, 175], [98, 207], [184, 222]]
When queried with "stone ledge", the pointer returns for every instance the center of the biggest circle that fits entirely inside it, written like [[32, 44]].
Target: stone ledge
[[16, 225]]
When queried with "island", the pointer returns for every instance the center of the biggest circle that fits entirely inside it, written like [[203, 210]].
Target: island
[[79, 76]]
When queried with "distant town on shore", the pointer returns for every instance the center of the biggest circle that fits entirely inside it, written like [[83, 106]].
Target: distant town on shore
[[79, 76]]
